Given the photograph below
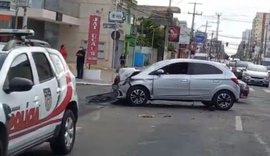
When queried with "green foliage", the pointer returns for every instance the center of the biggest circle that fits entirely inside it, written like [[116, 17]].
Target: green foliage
[[147, 30]]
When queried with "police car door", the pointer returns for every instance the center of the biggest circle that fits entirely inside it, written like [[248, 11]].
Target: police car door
[[48, 90], [25, 110]]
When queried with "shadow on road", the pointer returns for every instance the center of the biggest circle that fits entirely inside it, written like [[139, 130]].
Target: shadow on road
[[123, 103]]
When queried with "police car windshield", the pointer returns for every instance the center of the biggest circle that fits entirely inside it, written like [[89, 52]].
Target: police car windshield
[[2, 59]]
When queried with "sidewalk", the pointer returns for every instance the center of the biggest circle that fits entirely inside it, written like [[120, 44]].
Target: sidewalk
[[107, 76]]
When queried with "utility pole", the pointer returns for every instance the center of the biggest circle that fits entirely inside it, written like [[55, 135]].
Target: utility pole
[[167, 28], [211, 44], [262, 39], [265, 40], [218, 46], [115, 47], [194, 13]]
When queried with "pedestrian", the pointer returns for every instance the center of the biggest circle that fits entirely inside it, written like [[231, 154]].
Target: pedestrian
[[63, 51], [122, 60], [80, 62]]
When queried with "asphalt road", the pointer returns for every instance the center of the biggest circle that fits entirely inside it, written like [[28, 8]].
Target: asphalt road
[[171, 128]]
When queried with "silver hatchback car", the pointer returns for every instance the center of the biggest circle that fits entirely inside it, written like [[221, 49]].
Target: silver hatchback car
[[211, 83]]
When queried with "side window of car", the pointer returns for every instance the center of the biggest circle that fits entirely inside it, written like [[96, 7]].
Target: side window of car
[[21, 68], [204, 69], [176, 68], [44, 68], [57, 63]]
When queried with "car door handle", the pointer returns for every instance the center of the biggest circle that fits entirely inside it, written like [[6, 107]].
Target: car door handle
[[185, 80], [58, 91], [36, 101]]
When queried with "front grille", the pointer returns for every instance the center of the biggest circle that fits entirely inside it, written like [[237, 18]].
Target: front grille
[[257, 78]]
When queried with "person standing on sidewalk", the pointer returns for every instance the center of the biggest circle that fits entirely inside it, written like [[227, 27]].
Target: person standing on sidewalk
[[80, 62], [63, 51], [122, 60]]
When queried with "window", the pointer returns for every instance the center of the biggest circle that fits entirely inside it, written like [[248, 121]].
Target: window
[[57, 63], [101, 51], [44, 68], [21, 68], [203, 69], [176, 68]]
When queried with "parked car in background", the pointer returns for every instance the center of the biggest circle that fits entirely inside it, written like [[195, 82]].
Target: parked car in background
[[211, 83], [244, 89], [256, 74], [240, 66]]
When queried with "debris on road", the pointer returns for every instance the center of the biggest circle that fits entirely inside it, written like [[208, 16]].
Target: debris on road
[[102, 98], [146, 116]]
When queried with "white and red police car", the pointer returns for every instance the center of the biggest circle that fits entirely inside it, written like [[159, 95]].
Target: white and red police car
[[38, 100]]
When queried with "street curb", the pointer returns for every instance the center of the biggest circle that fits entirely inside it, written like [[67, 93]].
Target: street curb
[[92, 83]]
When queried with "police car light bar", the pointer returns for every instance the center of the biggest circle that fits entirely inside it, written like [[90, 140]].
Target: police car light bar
[[17, 32]]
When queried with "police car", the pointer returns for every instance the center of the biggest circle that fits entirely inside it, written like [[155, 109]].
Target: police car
[[38, 99]]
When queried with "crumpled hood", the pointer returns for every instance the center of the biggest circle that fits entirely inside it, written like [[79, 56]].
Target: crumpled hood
[[124, 73], [257, 74]]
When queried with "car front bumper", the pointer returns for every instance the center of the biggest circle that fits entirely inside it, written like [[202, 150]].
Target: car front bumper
[[256, 81]]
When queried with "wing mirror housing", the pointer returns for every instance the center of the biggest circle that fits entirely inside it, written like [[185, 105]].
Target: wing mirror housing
[[19, 84], [159, 72]]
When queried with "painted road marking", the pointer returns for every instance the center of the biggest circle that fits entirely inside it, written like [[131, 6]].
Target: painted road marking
[[96, 117], [264, 144], [251, 89], [267, 90], [238, 123]]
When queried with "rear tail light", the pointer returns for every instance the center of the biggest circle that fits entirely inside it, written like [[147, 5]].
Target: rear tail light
[[235, 80]]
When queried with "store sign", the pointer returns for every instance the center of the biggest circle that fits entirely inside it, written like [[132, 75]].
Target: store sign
[[116, 16], [93, 39], [174, 34], [7, 5]]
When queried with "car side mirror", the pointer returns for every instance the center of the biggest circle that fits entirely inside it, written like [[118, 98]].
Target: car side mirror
[[159, 72], [19, 84]]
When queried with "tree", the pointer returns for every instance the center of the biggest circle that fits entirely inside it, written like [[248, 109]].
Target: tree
[[147, 30]]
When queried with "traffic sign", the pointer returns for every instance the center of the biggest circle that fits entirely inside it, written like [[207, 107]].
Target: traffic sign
[[116, 16], [109, 25], [200, 37], [115, 35]]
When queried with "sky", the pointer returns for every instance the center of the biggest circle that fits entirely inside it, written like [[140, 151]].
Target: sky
[[236, 16]]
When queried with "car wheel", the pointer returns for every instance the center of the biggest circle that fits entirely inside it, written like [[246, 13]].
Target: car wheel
[[207, 103], [2, 149], [223, 100], [266, 85], [137, 95], [64, 142]]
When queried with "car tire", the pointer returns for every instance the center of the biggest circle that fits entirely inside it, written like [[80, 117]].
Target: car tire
[[137, 95], [266, 85], [207, 103], [64, 142], [223, 100], [2, 149]]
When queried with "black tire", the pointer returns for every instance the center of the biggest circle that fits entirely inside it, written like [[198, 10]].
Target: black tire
[[137, 95], [207, 103], [2, 149], [266, 85], [223, 100], [58, 144]]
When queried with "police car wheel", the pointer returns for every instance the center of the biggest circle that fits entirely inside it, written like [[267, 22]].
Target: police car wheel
[[2, 150], [64, 142]]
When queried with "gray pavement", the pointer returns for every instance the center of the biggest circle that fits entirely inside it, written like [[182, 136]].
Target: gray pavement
[[171, 128]]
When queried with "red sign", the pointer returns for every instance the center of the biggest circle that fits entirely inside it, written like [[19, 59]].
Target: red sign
[[93, 39], [174, 34]]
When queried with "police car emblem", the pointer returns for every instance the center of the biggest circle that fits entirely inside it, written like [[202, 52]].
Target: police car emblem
[[48, 98]]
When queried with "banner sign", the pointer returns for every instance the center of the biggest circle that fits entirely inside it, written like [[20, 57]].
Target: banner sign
[[174, 34], [93, 39]]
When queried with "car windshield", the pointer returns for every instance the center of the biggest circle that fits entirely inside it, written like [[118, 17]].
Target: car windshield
[[241, 64], [2, 59], [257, 68]]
